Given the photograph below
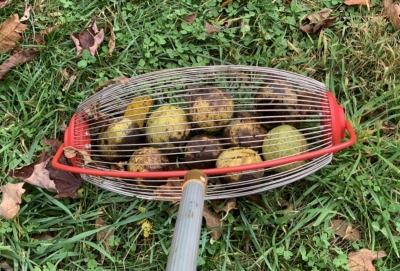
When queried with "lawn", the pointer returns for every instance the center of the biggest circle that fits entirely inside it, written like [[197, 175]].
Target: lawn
[[288, 228]]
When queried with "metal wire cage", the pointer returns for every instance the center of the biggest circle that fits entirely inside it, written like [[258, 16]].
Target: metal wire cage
[[196, 114]]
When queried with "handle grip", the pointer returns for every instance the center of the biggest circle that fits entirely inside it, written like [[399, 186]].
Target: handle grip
[[185, 242]]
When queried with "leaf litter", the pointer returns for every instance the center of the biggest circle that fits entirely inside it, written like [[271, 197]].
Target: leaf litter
[[317, 21], [17, 59], [11, 33], [391, 9], [189, 19], [103, 236], [230, 205], [90, 38], [27, 13], [211, 29], [357, 2], [345, 230], [11, 199], [362, 260], [213, 223], [42, 174], [4, 2]]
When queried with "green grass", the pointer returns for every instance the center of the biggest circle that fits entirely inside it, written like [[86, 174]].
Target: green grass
[[358, 60]]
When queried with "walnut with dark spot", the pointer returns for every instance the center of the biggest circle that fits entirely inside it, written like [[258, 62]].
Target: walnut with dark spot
[[202, 151]]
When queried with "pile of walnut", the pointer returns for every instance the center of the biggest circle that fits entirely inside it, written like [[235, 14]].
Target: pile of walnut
[[206, 133]]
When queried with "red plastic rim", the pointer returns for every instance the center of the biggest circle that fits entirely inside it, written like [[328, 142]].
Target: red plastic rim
[[337, 120], [77, 135]]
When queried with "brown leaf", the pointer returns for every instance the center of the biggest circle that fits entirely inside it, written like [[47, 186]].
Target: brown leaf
[[27, 13], [210, 29], [392, 11], [213, 223], [6, 267], [39, 37], [11, 33], [345, 230], [42, 174], [123, 80], [4, 2], [357, 2], [89, 39], [53, 143], [36, 173], [111, 42], [226, 2], [173, 188], [42, 236], [17, 59], [362, 260], [190, 18], [71, 152], [12, 193], [103, 236], [318, 21], [230, 205]]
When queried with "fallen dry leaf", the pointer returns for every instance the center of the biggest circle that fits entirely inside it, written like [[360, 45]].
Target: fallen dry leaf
[[4, 2], [230, 205], [123, 80], [36, 173], [345, 230], [39, 37], [42, 174], [318, 21], [362, 260], [173, 188], [358, 2], [226, 2], [392, 11], [27, 13], [17, 59], [42, 236], [190, 18], [6, 267], [111, 42], [12, 193], [213, 223], [210, 29], [89, 39], [11, 33], [71, 152], [103, 236]]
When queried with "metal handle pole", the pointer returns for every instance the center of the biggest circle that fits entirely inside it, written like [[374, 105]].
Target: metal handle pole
[[185, 242]]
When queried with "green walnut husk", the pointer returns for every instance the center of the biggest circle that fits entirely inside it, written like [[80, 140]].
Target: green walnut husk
[[115, 138], [168, 125], [210, 110], [284, 141]]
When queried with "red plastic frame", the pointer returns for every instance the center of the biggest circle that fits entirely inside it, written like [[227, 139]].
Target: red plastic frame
[[338, 123]]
